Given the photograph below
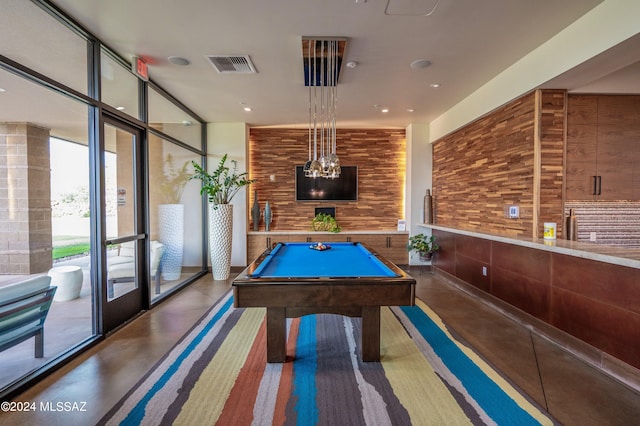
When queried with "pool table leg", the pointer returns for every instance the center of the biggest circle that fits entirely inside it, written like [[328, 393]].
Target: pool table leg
[[276, 335], [370, 333]]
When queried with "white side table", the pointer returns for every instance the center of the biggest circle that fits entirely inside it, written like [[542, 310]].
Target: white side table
[[68, 279]]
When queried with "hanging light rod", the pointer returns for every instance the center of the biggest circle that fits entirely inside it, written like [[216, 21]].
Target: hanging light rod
[[322, 59], [314, 53]]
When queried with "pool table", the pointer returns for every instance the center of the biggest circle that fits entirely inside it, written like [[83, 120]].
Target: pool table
[[296, 279]]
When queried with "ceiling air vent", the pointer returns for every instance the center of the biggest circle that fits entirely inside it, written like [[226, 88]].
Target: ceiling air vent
[[236, 64]]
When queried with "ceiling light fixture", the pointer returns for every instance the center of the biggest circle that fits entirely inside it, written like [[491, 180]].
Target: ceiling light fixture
[[435, 85], [420, 64], [322, 60], [388, 13], [248, 109], [178, 60]]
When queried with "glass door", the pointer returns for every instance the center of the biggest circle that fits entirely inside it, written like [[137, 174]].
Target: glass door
[[124, 294]]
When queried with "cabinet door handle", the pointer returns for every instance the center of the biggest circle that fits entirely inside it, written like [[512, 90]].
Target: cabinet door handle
[[595, 185], [599, 185]]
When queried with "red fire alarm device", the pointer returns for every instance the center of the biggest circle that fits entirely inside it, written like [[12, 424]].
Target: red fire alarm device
[[140, 68]]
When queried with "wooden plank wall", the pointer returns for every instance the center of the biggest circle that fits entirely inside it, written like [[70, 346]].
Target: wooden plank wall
[[488, 165], [380, 155], [553, 136]]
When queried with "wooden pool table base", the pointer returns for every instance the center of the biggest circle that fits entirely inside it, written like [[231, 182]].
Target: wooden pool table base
[[277, 329]]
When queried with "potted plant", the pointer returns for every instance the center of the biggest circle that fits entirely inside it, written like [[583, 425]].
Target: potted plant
[[425, 246], [171, 217], [325, 222], [221, 186], [173, 181]]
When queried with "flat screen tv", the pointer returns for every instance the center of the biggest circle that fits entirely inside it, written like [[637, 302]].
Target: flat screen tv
[[344, 188]]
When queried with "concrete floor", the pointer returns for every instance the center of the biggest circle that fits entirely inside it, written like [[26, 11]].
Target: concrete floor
[[572, 391]]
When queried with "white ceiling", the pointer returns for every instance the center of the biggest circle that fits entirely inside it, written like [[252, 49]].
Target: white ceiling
[[468, 42]]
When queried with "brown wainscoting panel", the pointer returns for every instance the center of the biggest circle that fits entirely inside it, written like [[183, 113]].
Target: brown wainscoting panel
[[470, 270], [445, 258], [521, 276], [604, 326], [522, 260], [612, 284], [471, 255], [474, 248], [522, 291]]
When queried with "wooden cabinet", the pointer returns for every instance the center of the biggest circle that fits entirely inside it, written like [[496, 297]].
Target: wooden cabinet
[[603, 147], [256, 244], [390, 245]]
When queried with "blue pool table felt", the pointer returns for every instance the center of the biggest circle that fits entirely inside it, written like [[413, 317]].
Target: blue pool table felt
[[342, 260]]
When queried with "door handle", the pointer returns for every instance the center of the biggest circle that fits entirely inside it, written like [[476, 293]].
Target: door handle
[[599, 185], [595, 185]]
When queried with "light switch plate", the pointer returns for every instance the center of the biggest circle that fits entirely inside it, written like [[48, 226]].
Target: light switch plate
[[514, 212]]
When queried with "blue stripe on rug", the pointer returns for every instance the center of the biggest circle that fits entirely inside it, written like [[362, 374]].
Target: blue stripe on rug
[[137, 413], [304, 372], [496, 403]]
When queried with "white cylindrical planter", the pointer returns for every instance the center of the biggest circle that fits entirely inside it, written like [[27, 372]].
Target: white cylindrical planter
[[171, 234], [220, 239], [68, 279]]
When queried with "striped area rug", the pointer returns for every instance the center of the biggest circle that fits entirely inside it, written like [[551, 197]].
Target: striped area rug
[[218, 374]]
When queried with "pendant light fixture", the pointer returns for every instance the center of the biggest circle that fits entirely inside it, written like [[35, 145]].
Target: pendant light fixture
[[322, 60]]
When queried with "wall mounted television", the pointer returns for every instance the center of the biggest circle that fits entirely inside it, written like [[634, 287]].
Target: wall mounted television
[[344, 188]]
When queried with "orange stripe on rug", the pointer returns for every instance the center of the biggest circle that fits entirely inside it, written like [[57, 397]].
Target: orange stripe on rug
[[247, 383], [286, 380]]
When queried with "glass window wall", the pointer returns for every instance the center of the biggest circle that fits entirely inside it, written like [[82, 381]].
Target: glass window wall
[[175, 213], [119, 86], [44, 216], [166, 117], [35, 39], [46, 220]]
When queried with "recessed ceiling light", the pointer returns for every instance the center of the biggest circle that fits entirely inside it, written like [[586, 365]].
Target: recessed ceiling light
[[2, 90], [409, 109], [384, 110], [120, 108], [420, 63], [248, 109], [352, 64], [435, 85], [178, 60]]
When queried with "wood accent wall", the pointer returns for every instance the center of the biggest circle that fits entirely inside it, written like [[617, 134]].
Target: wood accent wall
[[552, 116], [512, 156], [380, 155]]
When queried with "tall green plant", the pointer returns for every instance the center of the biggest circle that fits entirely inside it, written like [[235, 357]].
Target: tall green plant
[[173, 181], [223, 184]]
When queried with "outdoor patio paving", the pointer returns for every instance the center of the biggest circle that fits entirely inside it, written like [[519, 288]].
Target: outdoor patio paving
[[68, 323]]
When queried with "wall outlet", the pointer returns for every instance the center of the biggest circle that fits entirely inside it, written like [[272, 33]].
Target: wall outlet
[[484, 271], [592, 236]]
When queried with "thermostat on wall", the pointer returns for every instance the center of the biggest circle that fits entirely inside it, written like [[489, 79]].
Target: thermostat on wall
[[514, 212]]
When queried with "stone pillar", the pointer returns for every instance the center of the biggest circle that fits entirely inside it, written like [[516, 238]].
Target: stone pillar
[[25, 199]]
